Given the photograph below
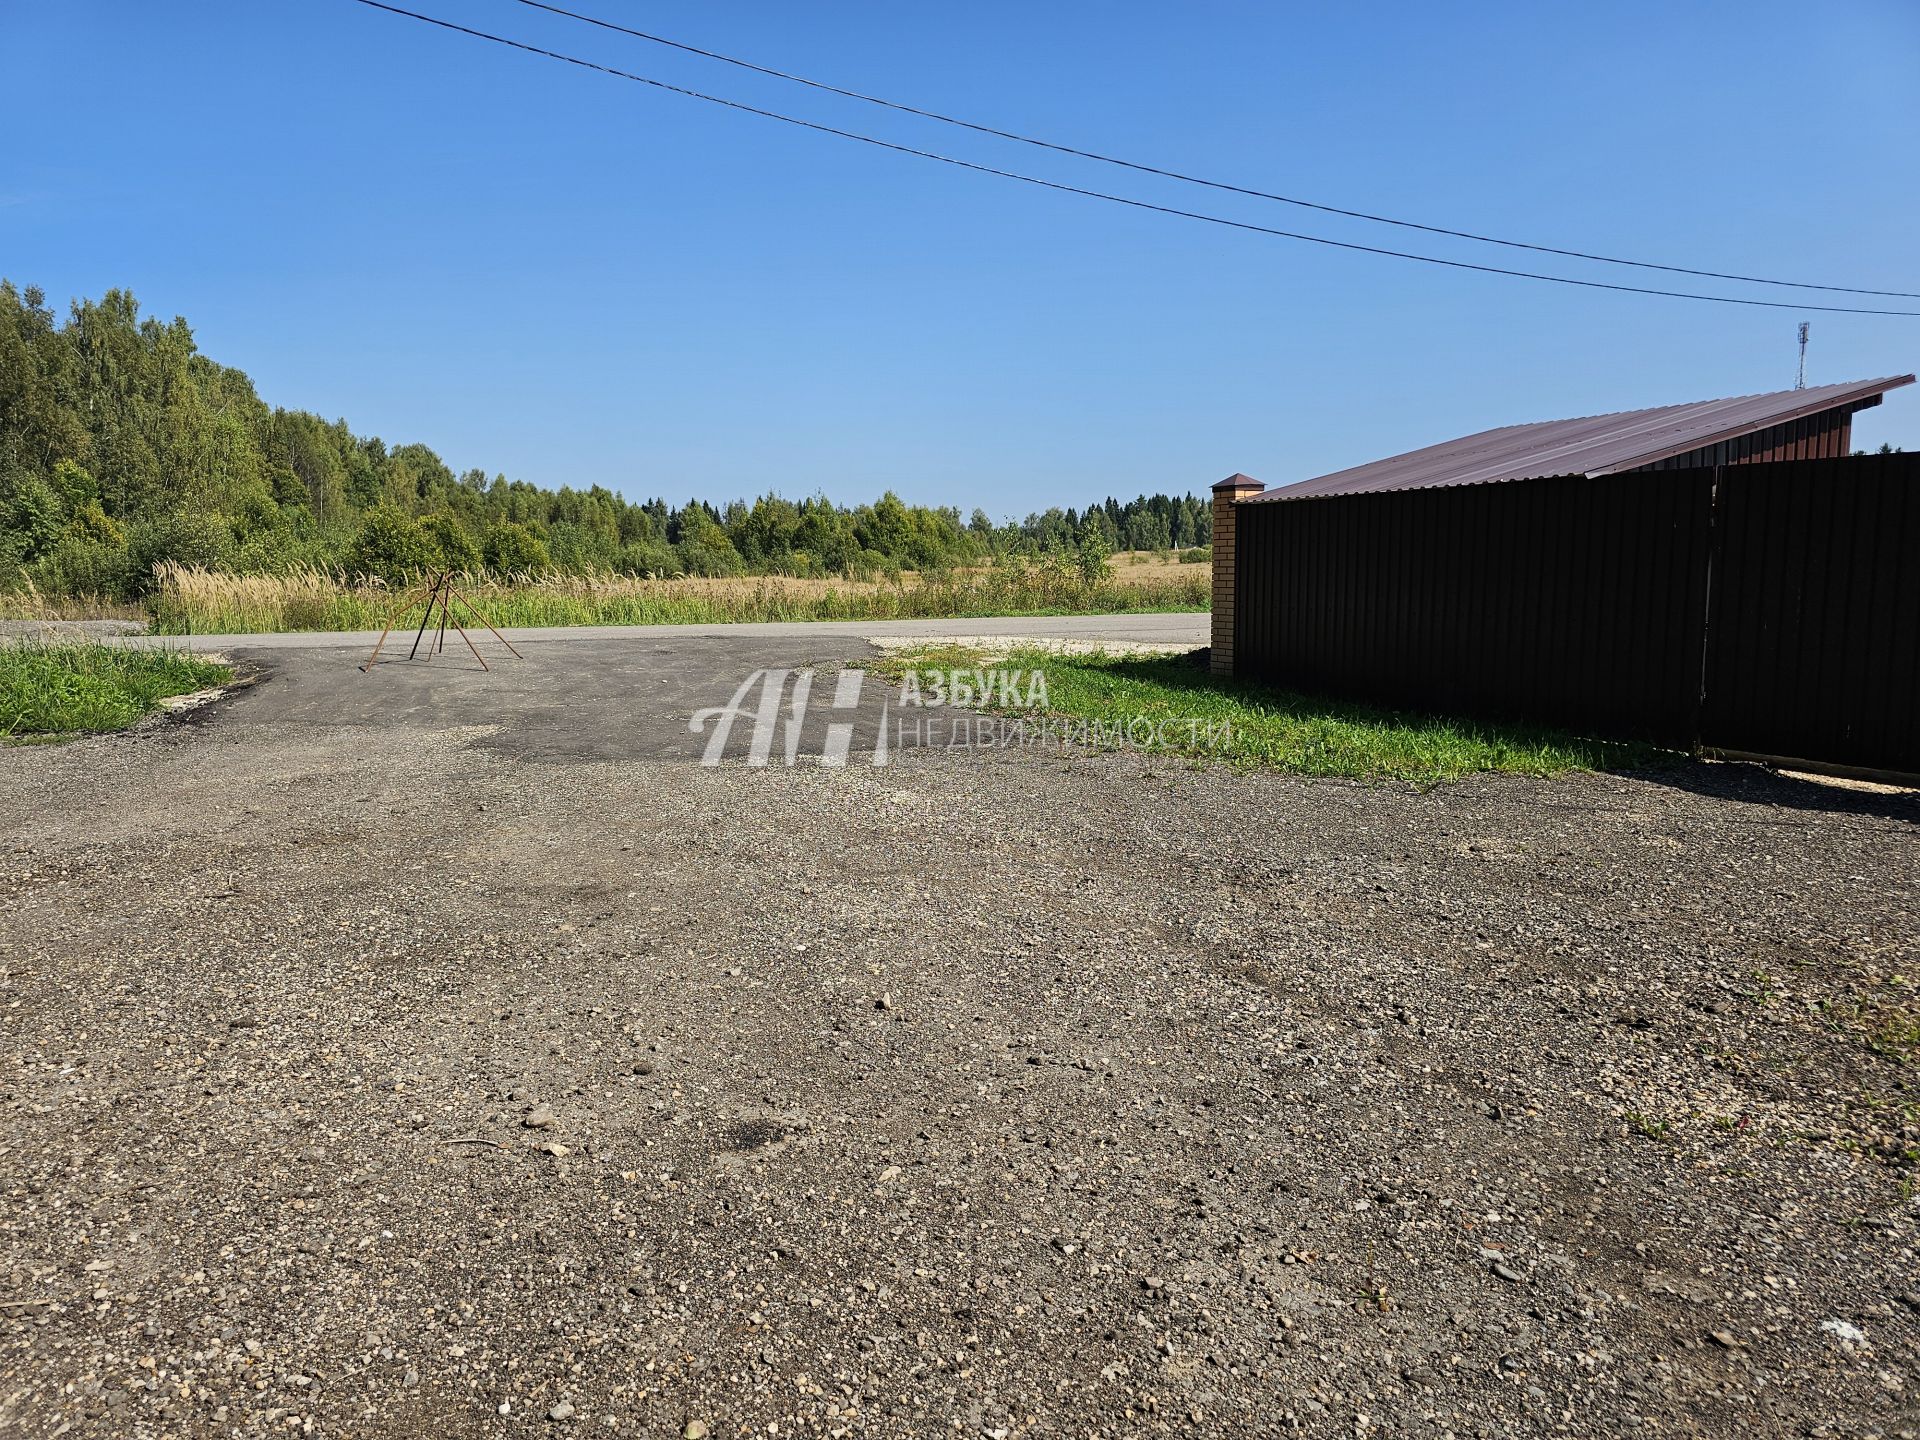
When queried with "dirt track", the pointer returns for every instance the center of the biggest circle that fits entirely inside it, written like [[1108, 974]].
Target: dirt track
[[1002, 1094]]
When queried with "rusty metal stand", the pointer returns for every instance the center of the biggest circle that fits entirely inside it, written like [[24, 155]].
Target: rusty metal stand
[[439, 592], [474, 610], [433, 594], [393, 617]]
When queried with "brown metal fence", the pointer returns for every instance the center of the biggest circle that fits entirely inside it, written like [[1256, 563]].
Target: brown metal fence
[[1767, 608], [1813, 624]]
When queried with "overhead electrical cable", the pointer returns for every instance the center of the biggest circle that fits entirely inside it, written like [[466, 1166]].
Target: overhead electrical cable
[[1164, 173], [1128, 201]]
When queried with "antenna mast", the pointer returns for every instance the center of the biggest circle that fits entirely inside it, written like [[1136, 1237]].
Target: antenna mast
[[1800, 381]]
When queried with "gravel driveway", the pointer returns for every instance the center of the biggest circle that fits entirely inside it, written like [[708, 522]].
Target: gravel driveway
[[429, 1053]]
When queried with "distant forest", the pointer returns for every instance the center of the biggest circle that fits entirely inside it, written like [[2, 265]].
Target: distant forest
[[122, 446]]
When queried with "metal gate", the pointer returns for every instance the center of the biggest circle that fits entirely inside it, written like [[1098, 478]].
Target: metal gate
[[1813, 612]]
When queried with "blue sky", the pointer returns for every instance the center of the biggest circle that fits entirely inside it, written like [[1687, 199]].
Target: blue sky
[[574, 279]]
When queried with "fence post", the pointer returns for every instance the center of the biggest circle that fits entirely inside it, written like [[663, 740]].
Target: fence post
[[1226, 554]]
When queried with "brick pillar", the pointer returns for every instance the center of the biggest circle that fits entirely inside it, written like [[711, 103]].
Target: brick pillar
[[1227, 494]]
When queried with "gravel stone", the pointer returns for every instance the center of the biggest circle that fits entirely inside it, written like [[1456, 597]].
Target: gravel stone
[[1201, 1092]]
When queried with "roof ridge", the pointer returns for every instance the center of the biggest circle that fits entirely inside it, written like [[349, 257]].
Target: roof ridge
[[1600, 444], [1888, 380]]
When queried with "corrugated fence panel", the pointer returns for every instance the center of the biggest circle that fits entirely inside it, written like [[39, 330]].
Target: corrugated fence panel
[[1569, 600], [1791, 594], [1813, 635]]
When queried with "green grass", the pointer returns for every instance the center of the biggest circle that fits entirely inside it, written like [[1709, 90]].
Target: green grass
[[1260, 727], [1897, 1036], [61, 689]]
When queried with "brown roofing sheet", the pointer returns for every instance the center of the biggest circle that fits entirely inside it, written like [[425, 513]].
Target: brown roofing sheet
[[1593, 445]]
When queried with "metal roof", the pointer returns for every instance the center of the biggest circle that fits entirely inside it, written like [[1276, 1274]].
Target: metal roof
[[1592, 445]]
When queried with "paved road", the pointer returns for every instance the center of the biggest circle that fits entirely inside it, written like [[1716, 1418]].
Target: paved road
[[1178, 631], [627, 692], [642, 696]]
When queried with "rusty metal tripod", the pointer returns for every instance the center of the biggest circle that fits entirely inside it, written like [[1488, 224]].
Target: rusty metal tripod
[[441, 591]]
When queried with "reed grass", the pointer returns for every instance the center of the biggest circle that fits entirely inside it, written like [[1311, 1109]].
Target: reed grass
[[188, 600], [33, 603]]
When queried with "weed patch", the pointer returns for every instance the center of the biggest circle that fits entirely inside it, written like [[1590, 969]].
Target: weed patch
[[61, 689], [1261, 727]]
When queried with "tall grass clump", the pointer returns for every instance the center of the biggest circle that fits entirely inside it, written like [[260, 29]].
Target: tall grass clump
[[30, 602]]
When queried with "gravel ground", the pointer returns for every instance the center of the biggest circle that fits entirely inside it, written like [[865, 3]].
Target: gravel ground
[[403, 1075]]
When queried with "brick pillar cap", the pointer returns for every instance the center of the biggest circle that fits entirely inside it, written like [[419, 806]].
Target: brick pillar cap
[[1239, 482]]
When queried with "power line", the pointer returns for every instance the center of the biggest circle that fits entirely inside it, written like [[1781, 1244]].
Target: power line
[[1193, 179], [1111, 198]]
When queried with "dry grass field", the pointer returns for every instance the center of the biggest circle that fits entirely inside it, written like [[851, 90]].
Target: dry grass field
[[194, 601], [1147, 567], [33, 604], [199, 602]]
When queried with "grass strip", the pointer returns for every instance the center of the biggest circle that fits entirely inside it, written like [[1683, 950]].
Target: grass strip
[[1260, 726], [68, 689]]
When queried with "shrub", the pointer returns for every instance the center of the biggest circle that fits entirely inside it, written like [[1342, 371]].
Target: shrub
[[78, 564], [186, 537], [512, 549], [705, 549], [278, 552], [1092, 561], [872, 565], [74, 484], [647, 557], [581, 549], [251, 513], [90, 522], [37, 516], [391, 546], [450, 539]]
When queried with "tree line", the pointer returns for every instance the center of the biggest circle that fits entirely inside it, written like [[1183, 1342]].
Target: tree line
[[122, 446]]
